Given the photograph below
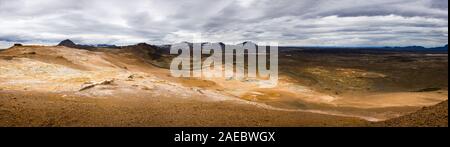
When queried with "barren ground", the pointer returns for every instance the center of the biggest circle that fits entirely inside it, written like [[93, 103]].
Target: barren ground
[[60, 86]]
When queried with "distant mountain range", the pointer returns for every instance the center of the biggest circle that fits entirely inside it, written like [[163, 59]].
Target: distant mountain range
[[418, 48], [69, 43]]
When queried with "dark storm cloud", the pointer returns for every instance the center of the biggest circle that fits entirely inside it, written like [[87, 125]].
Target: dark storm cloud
[[290, 22]]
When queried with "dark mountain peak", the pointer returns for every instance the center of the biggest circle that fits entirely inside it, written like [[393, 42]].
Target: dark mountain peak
[[148, 48], [18, 44], [67, 43], [71, 44], [247, 42], [443, 48], [143, 44]]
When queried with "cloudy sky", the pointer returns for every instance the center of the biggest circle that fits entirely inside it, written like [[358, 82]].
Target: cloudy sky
[[289, 22]]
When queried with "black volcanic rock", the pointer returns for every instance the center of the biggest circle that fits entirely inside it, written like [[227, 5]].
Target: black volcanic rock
[[18, 44], [434, 116]]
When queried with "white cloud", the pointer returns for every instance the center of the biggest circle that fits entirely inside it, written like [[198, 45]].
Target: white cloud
[[291, 22]]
